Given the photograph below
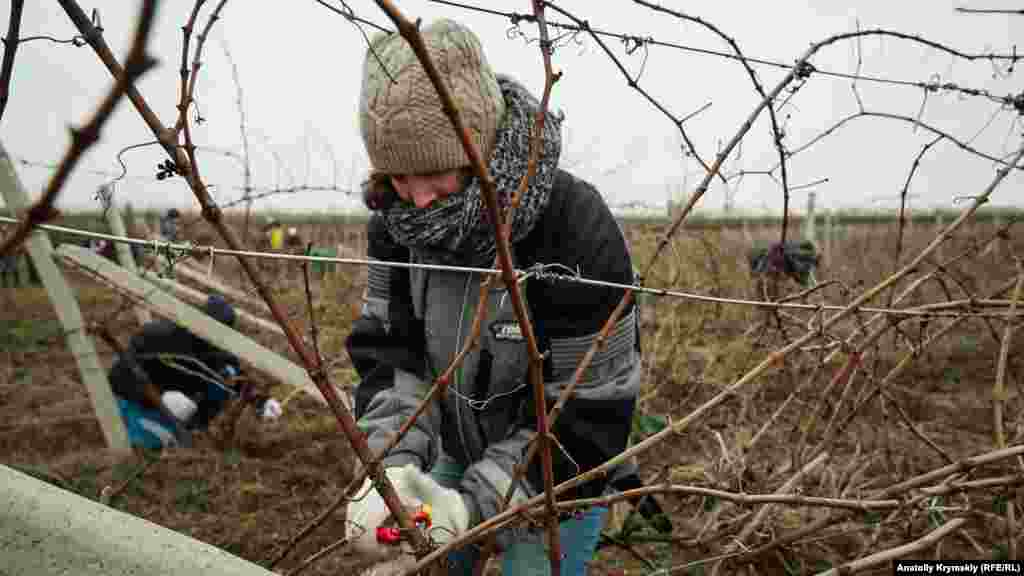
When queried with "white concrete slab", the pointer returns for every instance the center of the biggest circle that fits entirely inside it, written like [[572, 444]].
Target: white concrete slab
[[47, 530], [198, 297]]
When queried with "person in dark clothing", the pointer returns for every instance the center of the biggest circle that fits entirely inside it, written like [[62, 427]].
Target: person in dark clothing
[[796, 259], [10, 272], [169, 225], [427, 208], [10, 276], [169, 381]]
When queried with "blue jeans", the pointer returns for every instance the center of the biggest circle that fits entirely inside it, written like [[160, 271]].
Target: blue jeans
[[147, 428], [578, 538]]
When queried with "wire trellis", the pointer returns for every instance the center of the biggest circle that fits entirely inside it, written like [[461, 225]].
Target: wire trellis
[[172, 252]]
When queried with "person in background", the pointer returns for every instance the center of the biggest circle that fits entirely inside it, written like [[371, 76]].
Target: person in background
[[772, 264], [293, 241], [169, 225], [274, 232], [293, 245], [169, 382], [10, 277], [273, 241], [427, 208]]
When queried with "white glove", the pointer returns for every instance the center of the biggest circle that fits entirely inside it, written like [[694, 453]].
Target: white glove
[[449, 514], [364, 515], [179, 404], [271, 410]]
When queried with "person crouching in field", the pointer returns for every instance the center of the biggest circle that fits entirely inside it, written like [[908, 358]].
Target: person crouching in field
[[169, 382], [10, 277], [427, 208], [10, 273], [794, 260]]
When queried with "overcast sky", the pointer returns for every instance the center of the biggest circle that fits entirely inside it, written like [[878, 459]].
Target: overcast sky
[[299, 68]]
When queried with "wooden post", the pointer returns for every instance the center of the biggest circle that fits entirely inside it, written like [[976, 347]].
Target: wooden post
[[124, 254], [747, 236], [827, 248], [997, 243], [152, 220], [940, 224], [93, 374], [809, 231]]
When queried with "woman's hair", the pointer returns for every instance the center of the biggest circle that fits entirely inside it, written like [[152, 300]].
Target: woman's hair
[[379, 193]]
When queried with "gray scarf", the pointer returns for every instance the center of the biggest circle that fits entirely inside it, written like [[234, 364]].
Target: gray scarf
[[457, 229]]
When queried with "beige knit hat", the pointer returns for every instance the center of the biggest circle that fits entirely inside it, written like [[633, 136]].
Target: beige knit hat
[[404, 128]]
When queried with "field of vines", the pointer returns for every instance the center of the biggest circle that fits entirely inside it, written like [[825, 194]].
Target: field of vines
[[876, 434], [872, 415]]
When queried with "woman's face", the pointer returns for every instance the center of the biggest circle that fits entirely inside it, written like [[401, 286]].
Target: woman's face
[[423, 189]]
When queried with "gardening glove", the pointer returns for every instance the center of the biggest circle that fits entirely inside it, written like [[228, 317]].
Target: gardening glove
[[449, 514], [179, 409], [271, 410], [180, 405], [368, 512]]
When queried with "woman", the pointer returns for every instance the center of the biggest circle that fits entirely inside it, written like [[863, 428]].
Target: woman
[[427, 208]]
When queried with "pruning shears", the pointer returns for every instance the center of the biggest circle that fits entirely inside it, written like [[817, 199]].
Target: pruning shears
[[393, 535]]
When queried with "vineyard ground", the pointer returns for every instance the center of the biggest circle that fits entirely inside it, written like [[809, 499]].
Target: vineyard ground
[[250, 492]]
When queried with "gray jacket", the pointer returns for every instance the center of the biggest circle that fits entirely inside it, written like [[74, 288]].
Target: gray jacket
[[414, 322]]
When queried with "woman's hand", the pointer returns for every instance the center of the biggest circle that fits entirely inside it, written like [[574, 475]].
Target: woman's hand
[[368, 512], [449, 514]]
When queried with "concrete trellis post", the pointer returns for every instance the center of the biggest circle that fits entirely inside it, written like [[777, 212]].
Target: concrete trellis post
[[809, 223], [827, 244], [212, 282], [199, 298], [124, 253], [152, 221], [93, 374]]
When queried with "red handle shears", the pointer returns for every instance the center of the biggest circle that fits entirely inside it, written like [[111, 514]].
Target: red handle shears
[[394, 535]]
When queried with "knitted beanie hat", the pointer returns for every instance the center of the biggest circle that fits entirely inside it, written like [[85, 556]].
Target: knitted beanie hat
[[404, 128]]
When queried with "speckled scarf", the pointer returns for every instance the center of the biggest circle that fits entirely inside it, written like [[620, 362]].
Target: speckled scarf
[[457, 229]]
